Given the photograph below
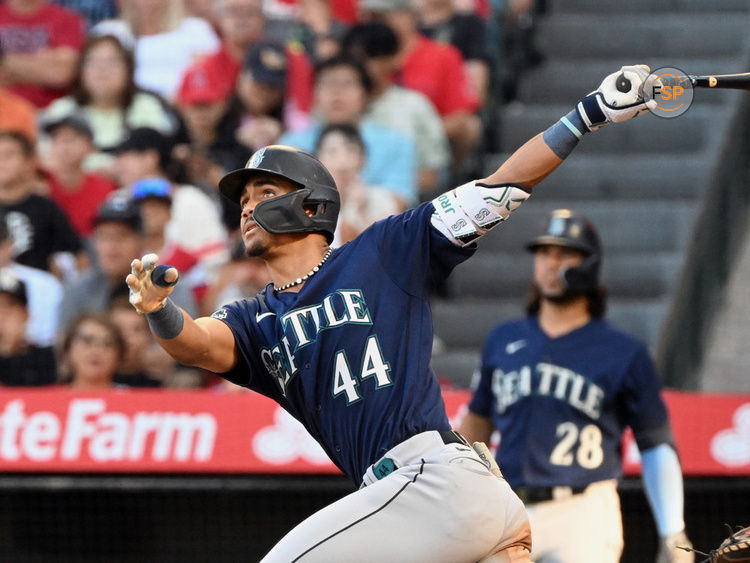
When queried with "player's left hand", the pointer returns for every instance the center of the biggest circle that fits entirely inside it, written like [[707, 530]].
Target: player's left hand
[[618, 98], [145, 295], [670, 552]]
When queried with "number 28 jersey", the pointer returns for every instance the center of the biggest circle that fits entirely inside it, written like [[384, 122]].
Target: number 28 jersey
[[348, 355], [562, 404]]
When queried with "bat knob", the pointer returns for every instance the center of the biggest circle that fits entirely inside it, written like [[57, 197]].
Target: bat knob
[[158, 276], [623, 84]]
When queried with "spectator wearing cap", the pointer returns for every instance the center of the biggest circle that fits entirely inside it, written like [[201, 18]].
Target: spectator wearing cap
[[342, 91], [43, 290], [18, 114], [213, 149], [435, 69], [78, 193], [21, 363], [117, 238], [195, 226], [259, 105], [164, 39], [41, 233], [154, 199], [42, 43], [399, 108], [104, 92]]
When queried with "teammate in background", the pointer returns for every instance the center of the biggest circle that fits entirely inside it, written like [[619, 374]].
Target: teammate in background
[[561, 385], [342, 339]]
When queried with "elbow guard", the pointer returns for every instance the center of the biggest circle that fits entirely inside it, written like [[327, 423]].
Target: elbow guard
[[468, 212]]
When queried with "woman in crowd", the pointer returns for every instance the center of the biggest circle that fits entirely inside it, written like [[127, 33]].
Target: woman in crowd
[[92, 350], [105, 93], [164, 38]]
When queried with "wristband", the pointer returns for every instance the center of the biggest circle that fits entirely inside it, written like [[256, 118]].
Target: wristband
[[166, 322], [563, 136]]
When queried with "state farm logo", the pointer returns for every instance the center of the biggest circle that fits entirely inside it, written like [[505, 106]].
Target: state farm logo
[[731, 446], [286, 441], [90, 431]]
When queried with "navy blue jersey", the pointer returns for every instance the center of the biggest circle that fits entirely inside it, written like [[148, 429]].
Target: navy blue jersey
[[561, 404], [349, 354]]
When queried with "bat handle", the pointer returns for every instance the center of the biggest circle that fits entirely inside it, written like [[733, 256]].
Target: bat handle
[[158, 276]]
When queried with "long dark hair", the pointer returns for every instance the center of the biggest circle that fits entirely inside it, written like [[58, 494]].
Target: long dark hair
[[78, 91], [597, 301], [67, 341]]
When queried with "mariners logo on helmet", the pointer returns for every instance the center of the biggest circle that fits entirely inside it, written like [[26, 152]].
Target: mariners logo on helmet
[[256, 158], [312, 208]]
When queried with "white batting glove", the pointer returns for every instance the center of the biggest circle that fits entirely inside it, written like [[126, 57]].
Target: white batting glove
[[670, 552], [618, 98], [145, 295]]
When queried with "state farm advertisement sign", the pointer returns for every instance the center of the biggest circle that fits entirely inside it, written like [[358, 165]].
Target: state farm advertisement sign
[[205, 432], [152, 431]]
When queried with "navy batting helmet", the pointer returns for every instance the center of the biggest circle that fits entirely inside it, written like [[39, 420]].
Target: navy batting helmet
[[564, 227], [313, 208]]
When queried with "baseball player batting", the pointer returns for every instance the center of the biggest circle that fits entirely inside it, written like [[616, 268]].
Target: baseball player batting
[[342, 338], [561, 385]]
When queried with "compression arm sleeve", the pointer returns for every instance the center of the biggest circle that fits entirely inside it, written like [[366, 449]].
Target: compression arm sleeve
[[662, 479]]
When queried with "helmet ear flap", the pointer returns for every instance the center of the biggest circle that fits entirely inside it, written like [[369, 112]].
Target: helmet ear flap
[[583, 277]]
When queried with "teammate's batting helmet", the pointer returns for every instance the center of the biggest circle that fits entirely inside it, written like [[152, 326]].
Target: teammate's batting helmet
[[564, 227], [313, 208]]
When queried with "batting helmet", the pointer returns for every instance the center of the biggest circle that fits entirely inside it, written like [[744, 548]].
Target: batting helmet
[[312, 208], [564, 227]]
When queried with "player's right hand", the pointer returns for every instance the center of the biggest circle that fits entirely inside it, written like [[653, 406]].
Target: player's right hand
[[145, 295], [618, 98]]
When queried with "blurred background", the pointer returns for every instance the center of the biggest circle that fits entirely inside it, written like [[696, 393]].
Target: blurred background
[[117, 119]]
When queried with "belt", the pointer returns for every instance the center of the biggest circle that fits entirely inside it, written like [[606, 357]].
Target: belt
[[531, 495], [386, 465]]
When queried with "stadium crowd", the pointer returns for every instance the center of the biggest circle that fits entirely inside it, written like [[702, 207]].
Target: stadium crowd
[[118, 117]]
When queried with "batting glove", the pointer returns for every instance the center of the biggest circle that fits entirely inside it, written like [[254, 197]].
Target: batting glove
[[618, 98], [670, 552], [145, 295]]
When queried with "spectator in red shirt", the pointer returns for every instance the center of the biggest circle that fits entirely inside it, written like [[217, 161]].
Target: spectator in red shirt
[[78, 193], [240, 25], [42, 43], [435, 69]]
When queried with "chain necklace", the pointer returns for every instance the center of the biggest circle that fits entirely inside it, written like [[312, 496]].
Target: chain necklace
[[307, 276]]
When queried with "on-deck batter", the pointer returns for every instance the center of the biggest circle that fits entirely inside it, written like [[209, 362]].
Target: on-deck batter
[[560, 386]]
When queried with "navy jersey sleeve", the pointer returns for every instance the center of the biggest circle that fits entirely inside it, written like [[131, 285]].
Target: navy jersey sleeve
[[644, 408], [413, 252], [238, 316], [482, 397]]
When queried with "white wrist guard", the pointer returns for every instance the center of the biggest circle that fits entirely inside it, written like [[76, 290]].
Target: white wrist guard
[[468, 212]]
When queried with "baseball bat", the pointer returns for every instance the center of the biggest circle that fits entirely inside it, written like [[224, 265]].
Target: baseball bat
[[739, 81], [158, 276]]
